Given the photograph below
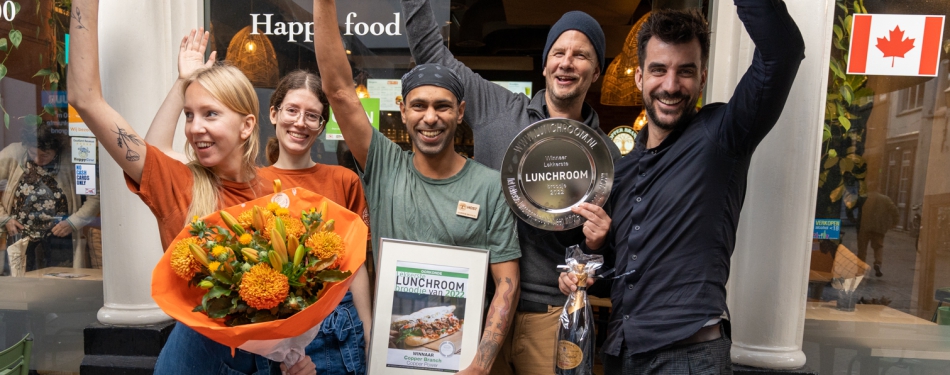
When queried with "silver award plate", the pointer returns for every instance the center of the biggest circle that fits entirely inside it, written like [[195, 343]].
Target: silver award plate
[[552, 166]]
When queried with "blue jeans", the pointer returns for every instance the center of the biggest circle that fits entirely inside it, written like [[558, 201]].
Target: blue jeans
[[189, 352], [339, 348]]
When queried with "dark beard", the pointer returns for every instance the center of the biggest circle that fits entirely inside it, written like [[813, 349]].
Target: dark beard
[[683, 119]]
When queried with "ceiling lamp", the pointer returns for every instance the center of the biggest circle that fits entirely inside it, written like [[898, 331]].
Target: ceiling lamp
[[255, 56], [620, 86]]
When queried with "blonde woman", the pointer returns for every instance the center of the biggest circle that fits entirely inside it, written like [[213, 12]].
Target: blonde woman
[[221, 127]]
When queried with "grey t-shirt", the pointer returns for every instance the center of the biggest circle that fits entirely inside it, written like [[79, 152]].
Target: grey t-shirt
[[404, 204]]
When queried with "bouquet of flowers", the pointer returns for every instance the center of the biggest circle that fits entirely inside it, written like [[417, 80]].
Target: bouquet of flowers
[[258, 276]]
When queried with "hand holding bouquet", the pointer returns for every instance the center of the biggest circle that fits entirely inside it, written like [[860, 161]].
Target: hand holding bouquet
[[260, 263]]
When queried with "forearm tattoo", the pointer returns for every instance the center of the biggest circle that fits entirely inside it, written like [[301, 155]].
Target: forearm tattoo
[[491, 340], [77, 14], [124, 139]]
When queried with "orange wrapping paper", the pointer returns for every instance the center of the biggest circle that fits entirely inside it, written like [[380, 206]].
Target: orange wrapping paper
[[177, 299]]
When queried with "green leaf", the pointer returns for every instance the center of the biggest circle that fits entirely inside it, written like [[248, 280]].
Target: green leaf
[[42, 73], [836, 68], [54, 77], [863, 93], [833, 153], [16, 37], [826, 134], [49, 109], [218, 308], [839, 44], [838, 32], [16, 8], [847, 24], [845, 122], [822, 177], [836, 193], [3, 44], [332, 275], [3, 71], [218, 291], [831, 161], [33, 120], [6, 120], [262, 316], [220, 276], [846, 165], [847, 93]]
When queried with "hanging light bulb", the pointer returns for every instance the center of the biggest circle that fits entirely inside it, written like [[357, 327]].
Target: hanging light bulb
[[361, 91]]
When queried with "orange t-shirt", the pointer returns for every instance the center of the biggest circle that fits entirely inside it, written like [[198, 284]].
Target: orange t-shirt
[[166, 190], [337, 183]]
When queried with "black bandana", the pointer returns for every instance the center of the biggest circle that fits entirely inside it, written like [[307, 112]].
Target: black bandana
[[432, 75]]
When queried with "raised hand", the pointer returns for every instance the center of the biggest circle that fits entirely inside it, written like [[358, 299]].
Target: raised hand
[[191, 54]]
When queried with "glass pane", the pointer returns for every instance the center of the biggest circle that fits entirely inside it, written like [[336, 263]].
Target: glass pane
[[50, 244], [874, 291]]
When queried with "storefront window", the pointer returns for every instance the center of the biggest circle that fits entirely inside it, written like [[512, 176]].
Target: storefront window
[[51, 284], [879, 283]]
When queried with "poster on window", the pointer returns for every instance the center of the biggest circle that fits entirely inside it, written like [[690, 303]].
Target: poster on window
[[86, 179], [83, 150], [429, 299]]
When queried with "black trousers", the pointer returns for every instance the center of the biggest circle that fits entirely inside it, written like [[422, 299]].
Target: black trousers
[[704, 358]]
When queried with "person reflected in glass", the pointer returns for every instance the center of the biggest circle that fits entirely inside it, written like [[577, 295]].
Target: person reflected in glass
[[878, 215], [39, 204]]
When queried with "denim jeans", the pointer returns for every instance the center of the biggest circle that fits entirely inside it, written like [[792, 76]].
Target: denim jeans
[[340, 347], [189, 352]]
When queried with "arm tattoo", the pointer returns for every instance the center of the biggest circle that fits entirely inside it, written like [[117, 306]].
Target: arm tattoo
[[124, 139], [78, 16], [491, 341], [502, 326]]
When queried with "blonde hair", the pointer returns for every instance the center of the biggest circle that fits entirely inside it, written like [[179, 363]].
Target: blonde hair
[[229, 86]]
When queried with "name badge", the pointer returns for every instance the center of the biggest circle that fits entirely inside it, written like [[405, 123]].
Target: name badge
[[467, 209]]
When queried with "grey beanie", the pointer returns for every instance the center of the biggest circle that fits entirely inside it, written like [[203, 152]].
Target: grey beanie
[[583, 22]]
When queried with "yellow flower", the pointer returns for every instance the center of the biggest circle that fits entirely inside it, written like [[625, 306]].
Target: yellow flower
[[282, 212], [217, 250], [183, 263], [194, 218], [272, 206], [245, 238], [263, 287], [214, 265], [325, 244], [292, 227]]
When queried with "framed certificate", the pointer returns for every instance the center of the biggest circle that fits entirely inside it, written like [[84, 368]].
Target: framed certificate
[[429, 306]]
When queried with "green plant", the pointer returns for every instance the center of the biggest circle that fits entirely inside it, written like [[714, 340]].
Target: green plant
[[843, 167], [54, 59]]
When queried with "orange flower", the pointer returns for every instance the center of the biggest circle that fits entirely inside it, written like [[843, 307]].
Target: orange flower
[[183, 263], [263, 287], [292, 227], [325, 244], [245, 238], [246, 218]]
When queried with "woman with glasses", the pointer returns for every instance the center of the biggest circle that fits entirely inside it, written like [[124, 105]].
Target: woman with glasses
[[298, 110]]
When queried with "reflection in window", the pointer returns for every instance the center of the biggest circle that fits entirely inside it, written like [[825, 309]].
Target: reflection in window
[[911, 98]]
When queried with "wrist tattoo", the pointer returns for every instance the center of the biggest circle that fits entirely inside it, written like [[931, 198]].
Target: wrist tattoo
[[77, 14]]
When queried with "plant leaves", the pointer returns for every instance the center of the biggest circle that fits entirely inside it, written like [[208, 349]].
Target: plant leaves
[[263, 316], [845, 122], [831, 161], [49, 109], [3, 71], [836, 193], [33, 120], [218, 291], [826, 134], [332, 275], [838, 32], [833, 153], [3, 44], [54, 77], [42, 72], [6, 120], [16, 37], [846, 165], [847, 93], [218, 308]]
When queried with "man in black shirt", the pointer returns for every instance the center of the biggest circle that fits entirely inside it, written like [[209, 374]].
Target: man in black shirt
[[678, 194]]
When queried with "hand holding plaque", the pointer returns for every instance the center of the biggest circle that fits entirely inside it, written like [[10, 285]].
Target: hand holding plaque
[[552, 166]]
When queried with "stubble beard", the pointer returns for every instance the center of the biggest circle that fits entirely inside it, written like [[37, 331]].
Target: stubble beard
[[684, 117]]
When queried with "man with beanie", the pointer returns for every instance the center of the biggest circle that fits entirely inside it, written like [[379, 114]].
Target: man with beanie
[[678, 194], [573, 59]]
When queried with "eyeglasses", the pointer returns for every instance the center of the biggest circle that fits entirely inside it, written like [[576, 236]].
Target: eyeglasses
[[312, 120]]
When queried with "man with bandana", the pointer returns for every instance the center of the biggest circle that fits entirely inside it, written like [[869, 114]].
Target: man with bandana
[[572, 59], [432, 194]]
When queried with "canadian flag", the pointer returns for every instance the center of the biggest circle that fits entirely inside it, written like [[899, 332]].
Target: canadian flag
[[895, 44]]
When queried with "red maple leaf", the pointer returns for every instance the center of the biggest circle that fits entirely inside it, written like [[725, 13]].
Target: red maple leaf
[[895, 47]]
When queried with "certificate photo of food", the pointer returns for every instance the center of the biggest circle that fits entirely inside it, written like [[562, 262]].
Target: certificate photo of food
[[428, 313]]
